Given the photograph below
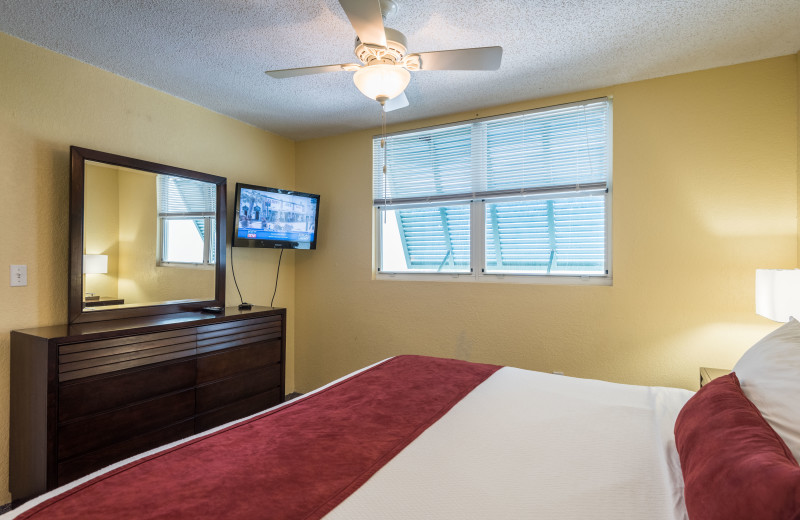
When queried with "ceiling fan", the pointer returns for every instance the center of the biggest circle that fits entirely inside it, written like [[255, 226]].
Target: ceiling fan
[[383, 73]]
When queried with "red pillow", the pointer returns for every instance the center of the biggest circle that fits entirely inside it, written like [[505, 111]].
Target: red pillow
[[734, 464]]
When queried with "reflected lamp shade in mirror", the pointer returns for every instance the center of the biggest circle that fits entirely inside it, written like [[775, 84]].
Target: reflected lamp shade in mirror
[[778, 293], [95, 264]]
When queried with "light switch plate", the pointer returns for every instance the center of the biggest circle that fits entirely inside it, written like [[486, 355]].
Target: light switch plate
[[19, 275]]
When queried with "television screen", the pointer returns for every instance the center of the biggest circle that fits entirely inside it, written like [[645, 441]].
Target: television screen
[[269, 217]]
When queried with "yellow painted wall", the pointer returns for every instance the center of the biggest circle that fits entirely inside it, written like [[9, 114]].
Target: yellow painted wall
[[705, 191], [138, 229], [101, 226], [49, 102]]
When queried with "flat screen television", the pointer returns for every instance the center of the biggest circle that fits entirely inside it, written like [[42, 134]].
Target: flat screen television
[[279, 219]]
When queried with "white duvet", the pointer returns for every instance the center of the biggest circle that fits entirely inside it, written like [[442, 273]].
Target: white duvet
[[527, 445]]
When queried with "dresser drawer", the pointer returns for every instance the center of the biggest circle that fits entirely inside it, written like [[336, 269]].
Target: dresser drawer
[[230, 362], [238, 410], [91, 358], [99, 394], [220, 336], [91, 433], [86, 463], [232, 389]]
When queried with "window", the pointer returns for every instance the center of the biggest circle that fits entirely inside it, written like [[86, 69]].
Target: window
[[187, 211], [520, 194]]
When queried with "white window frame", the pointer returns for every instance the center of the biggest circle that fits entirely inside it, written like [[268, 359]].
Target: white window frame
[[209, 218], [207, 238], [478, 231]]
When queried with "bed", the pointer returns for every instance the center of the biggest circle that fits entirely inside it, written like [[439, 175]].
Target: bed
[[415, 437]]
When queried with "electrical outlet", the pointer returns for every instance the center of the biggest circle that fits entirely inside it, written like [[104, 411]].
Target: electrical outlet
[[19, 275]]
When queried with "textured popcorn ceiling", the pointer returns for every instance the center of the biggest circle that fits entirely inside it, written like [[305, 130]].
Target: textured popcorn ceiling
[[214, 53]]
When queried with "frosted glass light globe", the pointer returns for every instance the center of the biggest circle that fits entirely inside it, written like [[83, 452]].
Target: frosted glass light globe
[[382, 81]]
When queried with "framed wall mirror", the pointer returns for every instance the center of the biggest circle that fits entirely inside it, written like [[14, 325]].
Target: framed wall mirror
[[145, 238]]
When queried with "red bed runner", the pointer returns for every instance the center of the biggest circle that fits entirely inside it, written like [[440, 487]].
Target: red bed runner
[[297, 462]]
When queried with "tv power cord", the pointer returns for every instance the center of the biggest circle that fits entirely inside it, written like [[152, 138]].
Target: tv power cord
[[243, 306]]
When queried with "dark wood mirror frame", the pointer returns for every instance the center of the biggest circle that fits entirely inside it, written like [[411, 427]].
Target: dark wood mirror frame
[[77, 314]]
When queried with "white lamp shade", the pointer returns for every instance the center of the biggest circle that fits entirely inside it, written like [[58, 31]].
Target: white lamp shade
[[382, 81], [778, 293], [95, 264]]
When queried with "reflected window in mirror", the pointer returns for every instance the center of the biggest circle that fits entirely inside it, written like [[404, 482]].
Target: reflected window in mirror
[[187, 211]]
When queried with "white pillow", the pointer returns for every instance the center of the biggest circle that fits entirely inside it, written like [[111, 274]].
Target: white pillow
[[769, 373]]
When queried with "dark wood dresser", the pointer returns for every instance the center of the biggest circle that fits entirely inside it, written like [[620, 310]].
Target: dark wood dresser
[[88, 395]]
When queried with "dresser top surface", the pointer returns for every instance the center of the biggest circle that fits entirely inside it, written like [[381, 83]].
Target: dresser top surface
[[160, 322]]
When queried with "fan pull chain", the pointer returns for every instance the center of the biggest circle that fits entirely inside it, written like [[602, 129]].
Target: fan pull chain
[[383, 145]]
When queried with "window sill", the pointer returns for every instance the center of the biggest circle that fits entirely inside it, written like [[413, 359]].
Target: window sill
[[528, 279], [181, 265]]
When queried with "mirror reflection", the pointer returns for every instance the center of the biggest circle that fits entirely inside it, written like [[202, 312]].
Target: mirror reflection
[[148, 238]]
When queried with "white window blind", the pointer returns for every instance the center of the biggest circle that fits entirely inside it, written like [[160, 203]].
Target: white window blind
[[421, 165], [560, 147], [548, 150], [535, 183], [180, 197]]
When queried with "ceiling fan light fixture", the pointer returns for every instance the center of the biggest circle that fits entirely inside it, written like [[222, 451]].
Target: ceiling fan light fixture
[[382, 81], [383, 51]]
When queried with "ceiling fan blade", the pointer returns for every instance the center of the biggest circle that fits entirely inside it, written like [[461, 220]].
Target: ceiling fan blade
[[305, 71], [396, 102], [366, 18], [481, 58]]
